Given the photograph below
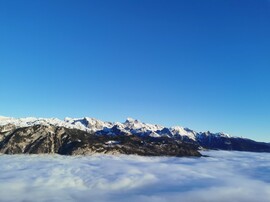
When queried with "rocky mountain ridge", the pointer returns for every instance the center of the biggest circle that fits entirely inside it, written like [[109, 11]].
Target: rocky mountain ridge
[[49, 139], [25, 134]]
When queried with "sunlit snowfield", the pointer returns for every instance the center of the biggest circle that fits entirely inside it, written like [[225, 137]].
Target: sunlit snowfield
[[224, 176]]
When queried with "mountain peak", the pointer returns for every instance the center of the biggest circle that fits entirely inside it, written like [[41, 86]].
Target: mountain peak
[[131, 120]]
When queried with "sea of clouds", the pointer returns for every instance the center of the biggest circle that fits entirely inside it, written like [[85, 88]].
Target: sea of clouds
[[223, 176]]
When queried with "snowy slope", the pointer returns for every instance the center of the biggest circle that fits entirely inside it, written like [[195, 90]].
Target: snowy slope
[[31, 121], [130, 126]]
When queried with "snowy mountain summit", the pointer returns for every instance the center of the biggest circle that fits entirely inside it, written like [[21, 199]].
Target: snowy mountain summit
[[130, 126], [112, 131]]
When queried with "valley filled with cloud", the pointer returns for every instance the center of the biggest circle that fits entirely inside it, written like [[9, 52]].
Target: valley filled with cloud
[[222, 176]]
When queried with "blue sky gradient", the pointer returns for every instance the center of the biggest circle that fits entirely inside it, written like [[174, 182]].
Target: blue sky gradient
[[198, 64]]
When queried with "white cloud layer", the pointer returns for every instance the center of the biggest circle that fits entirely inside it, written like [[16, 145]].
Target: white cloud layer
[[224, 176]]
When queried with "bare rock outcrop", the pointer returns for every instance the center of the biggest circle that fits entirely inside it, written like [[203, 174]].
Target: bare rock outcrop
[[49, 139]]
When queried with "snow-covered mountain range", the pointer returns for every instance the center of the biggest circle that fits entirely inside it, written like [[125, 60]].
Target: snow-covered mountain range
[[133, 127], [129, 127]]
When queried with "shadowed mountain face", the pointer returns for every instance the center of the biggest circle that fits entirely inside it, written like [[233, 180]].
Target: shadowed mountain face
[[232, 143], [40, 139]]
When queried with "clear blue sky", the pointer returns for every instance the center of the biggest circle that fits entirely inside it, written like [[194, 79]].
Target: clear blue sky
[[199, 64]]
